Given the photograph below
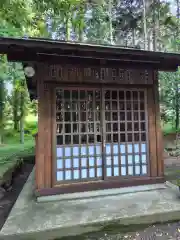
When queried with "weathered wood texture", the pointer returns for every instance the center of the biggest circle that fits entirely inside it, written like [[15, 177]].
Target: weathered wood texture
[[159, 139], [74, 73], [40, 139], [48, 136], [54, 162], [155, 132], [152, 133], [45, 155], [44, 140], [50, 50]]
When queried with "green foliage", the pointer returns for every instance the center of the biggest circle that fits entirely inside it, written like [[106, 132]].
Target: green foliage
[[12, 137], [170, 97], [178, 180], [32, 106], [7, 153], [31, 128], [3, 69], [90, 21], [98, 26], [12, 155], [15, 12], [64, 14], [168, 128]]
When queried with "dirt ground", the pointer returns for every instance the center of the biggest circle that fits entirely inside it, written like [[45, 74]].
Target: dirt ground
[[10, 196]]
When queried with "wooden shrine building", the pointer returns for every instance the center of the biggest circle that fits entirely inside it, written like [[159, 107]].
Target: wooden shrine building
[[98, 113]]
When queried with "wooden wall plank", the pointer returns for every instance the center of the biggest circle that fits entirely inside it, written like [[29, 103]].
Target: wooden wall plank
[[48, 137], [152, 132], [159, 139], [40, 139], [53, 134], [44, 141]]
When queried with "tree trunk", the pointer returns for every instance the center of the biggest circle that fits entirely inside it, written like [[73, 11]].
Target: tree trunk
[[22, 130], [178, 17], [15, 114], [144, 25], [82, 10], [15, 100], [158, 32], [133, 37], [149, 41], [22, 111], [1, 138], [154, 27], [81, 37], [68, 27], [177, 106], [1, 110], [177, 77], [110, 22]]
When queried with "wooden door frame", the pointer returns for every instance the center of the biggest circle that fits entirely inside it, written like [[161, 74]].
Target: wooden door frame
[[56, 183], [43, 190], [104, 177], [131, 88]]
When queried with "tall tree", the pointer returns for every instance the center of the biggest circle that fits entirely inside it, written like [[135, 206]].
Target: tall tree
[[144, 24], [177, 85], [63, 16], [110, 22], [15, 97], [98, 24], [3, 69]]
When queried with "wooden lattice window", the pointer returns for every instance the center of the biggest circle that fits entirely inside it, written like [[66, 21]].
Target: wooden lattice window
[[79, 149], [125, 133], [101, 133]]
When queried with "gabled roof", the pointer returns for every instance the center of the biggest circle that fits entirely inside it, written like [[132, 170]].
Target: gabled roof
[[32, 49]]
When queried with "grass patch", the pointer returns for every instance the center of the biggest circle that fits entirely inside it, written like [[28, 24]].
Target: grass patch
[[12, 153], [169, 128], [13, 138], [172, 174]]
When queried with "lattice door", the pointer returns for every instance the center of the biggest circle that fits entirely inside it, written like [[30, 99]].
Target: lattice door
[[79, 134], [125, 141], [100, 134]]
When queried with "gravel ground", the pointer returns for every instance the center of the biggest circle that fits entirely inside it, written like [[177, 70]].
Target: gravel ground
[[159, 232]]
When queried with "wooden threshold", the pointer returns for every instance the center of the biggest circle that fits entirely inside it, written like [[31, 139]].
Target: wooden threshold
[[100, 185]]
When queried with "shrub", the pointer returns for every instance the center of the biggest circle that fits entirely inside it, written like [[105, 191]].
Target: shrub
[[178, 182], [12, 155], [10, 133], [30, 128]]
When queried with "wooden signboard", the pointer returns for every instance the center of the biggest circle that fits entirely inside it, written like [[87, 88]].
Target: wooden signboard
[[70, 73]]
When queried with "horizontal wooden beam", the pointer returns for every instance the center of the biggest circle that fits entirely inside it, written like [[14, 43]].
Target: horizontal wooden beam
[[54, 46], [86, 60], [82, 187]]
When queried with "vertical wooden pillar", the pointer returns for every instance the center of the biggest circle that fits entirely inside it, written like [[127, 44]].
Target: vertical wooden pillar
[[44, 140], [152, 132], [159, 139], [53, 135], [155, 133], [40, 140], [48, 137]]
